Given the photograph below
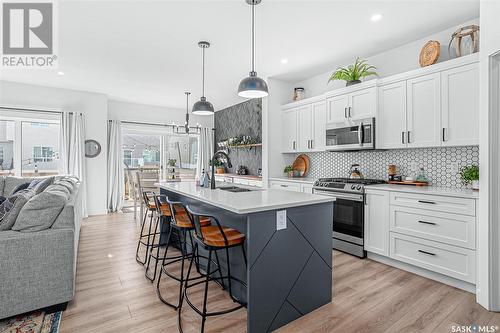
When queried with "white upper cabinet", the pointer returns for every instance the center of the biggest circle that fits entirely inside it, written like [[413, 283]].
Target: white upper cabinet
[[460, 108], [319, 128], [391, 119], [289, 131], [424, 111], [337, 108], [305, 127], [362, 103]]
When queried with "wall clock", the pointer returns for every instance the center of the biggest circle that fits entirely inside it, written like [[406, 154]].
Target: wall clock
[[92, 148]]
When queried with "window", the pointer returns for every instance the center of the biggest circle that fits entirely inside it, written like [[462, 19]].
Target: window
[[127, 156], [43, 154], [7, 129]]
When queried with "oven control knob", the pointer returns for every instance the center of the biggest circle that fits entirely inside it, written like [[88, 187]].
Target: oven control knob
[[358, 188], [324, 184], [353, 187]]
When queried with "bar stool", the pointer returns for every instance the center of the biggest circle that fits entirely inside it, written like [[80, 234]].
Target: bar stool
[[181, 223], [212, 238], [147, 196], [163, 215]]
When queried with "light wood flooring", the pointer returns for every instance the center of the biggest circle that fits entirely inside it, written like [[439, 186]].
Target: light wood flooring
[[112, 294]]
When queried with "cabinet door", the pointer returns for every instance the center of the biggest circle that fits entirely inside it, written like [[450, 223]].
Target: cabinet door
[[377, 222], [289, 130], [460, 108], [363, 103], [391, 119], [305, 124], [424, 111], [337, 108], [319, 129]]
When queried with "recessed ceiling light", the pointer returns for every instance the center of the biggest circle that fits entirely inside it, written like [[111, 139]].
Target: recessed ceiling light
[[284, 61], [376, 17], [60, 73]]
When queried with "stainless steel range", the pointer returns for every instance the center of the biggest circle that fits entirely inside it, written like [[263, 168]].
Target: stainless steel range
[[348, 211]]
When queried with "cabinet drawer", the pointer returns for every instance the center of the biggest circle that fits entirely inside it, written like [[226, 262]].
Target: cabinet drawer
[[453, 229], [289, 186], [435, 203], [449, 260]]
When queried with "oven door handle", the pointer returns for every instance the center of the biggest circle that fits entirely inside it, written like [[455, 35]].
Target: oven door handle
[[345, 196]]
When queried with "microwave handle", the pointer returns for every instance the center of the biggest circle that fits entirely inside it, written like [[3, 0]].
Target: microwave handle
[[361, 134]]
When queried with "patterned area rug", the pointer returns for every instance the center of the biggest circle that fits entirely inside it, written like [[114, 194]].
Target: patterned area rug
[[33, 322]]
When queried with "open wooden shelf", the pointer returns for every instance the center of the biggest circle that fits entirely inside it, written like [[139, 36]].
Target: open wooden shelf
[[246, 146]]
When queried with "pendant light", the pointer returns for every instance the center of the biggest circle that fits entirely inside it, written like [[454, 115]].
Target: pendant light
[[186, 125], [253, 86], [203, 107]]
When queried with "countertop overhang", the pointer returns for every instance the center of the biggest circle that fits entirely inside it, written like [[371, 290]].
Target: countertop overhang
[[256, 200]]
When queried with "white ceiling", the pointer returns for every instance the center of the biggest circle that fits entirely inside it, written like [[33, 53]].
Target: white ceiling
[[146, 51]]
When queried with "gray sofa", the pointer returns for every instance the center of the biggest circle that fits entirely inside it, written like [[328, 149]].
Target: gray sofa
[[37, 269]]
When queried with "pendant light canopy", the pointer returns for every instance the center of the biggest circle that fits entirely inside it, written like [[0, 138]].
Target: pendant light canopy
[[203, 107], [186, 124], [253, 86]]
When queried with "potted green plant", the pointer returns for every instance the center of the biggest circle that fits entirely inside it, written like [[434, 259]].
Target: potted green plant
[[288, 171], [353, 74], [171, 162], [470, 175], [219, 168]]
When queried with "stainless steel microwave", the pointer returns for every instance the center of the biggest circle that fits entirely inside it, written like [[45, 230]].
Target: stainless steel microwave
[[355, 135]]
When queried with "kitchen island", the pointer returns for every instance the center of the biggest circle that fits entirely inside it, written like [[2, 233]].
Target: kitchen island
[[289, 272]]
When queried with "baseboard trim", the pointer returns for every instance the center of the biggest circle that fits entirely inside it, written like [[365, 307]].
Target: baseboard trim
[[424, 272]]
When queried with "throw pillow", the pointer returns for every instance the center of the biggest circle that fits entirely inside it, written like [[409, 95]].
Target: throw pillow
[[20, 187], [2, 199], [43, 184], [15, 204], [41, 211]]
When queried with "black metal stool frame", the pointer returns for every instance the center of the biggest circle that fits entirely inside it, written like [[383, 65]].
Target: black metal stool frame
[[182, 235], [199, 241], [145, 196]]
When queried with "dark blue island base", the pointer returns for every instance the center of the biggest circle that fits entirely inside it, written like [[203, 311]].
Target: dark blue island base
[[289, 271]]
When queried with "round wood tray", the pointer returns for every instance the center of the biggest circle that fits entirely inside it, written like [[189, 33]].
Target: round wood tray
[[429, 54], [301, 164]]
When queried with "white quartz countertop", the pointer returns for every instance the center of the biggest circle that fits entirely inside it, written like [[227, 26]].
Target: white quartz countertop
[[294, 179], [432, 190], [256, 200]]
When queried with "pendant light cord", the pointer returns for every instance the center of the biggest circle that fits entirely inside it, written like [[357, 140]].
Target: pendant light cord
[[253, 36], [203, 74]]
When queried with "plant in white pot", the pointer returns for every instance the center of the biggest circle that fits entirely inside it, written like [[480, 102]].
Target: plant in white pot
[[470, 175], [353, 74]]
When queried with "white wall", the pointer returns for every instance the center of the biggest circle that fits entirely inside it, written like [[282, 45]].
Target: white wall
[[488, 282], [397, 60], [155, 114], [95, 108]]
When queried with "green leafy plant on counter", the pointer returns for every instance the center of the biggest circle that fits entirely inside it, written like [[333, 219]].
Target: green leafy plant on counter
[[353, 73], [171, 162], [216, 163], [469, 173], [288, 169]]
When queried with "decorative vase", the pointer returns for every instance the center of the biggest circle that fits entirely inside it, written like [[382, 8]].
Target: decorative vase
[[475, 185], [350, 83]]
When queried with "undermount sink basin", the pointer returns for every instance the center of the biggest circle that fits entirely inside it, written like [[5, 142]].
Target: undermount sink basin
[[234, 189]]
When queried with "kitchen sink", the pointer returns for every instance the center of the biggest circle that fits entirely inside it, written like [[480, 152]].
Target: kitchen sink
[[234, 189]]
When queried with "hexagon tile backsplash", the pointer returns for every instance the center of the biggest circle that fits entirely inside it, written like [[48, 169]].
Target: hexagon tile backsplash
[[438, 163]]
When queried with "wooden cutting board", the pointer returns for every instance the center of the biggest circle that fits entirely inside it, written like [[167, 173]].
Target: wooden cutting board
[[412, 183], [301, 164]]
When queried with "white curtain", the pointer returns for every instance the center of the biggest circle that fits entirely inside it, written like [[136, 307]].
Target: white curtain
[[116, 180], [72, 156], [206, 150]]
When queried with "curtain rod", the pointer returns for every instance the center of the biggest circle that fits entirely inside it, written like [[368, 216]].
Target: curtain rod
[[30, 110]]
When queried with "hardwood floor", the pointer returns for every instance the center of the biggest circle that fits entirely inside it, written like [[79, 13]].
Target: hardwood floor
[[112, 294]]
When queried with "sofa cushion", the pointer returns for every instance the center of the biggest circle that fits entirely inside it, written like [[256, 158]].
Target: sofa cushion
[[2, 183], [41, 211], [68, 183], [20, 187], [42, 184], [15, 204], [2, 199], [12, 182]]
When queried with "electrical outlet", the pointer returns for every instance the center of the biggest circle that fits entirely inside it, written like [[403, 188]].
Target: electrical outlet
[[454, 167]]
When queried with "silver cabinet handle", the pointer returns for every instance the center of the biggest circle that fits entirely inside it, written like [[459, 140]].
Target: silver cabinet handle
[[444, 134], [293, 145], [283, 185], [408, 136], [312, 144], [426, 222], [427, 202], [345, 112], [349, 113], [425, 252], [403, 137]]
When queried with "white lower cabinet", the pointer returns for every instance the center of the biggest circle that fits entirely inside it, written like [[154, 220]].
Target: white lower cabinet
[[377, 222], [296, 186], [433, 232]]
